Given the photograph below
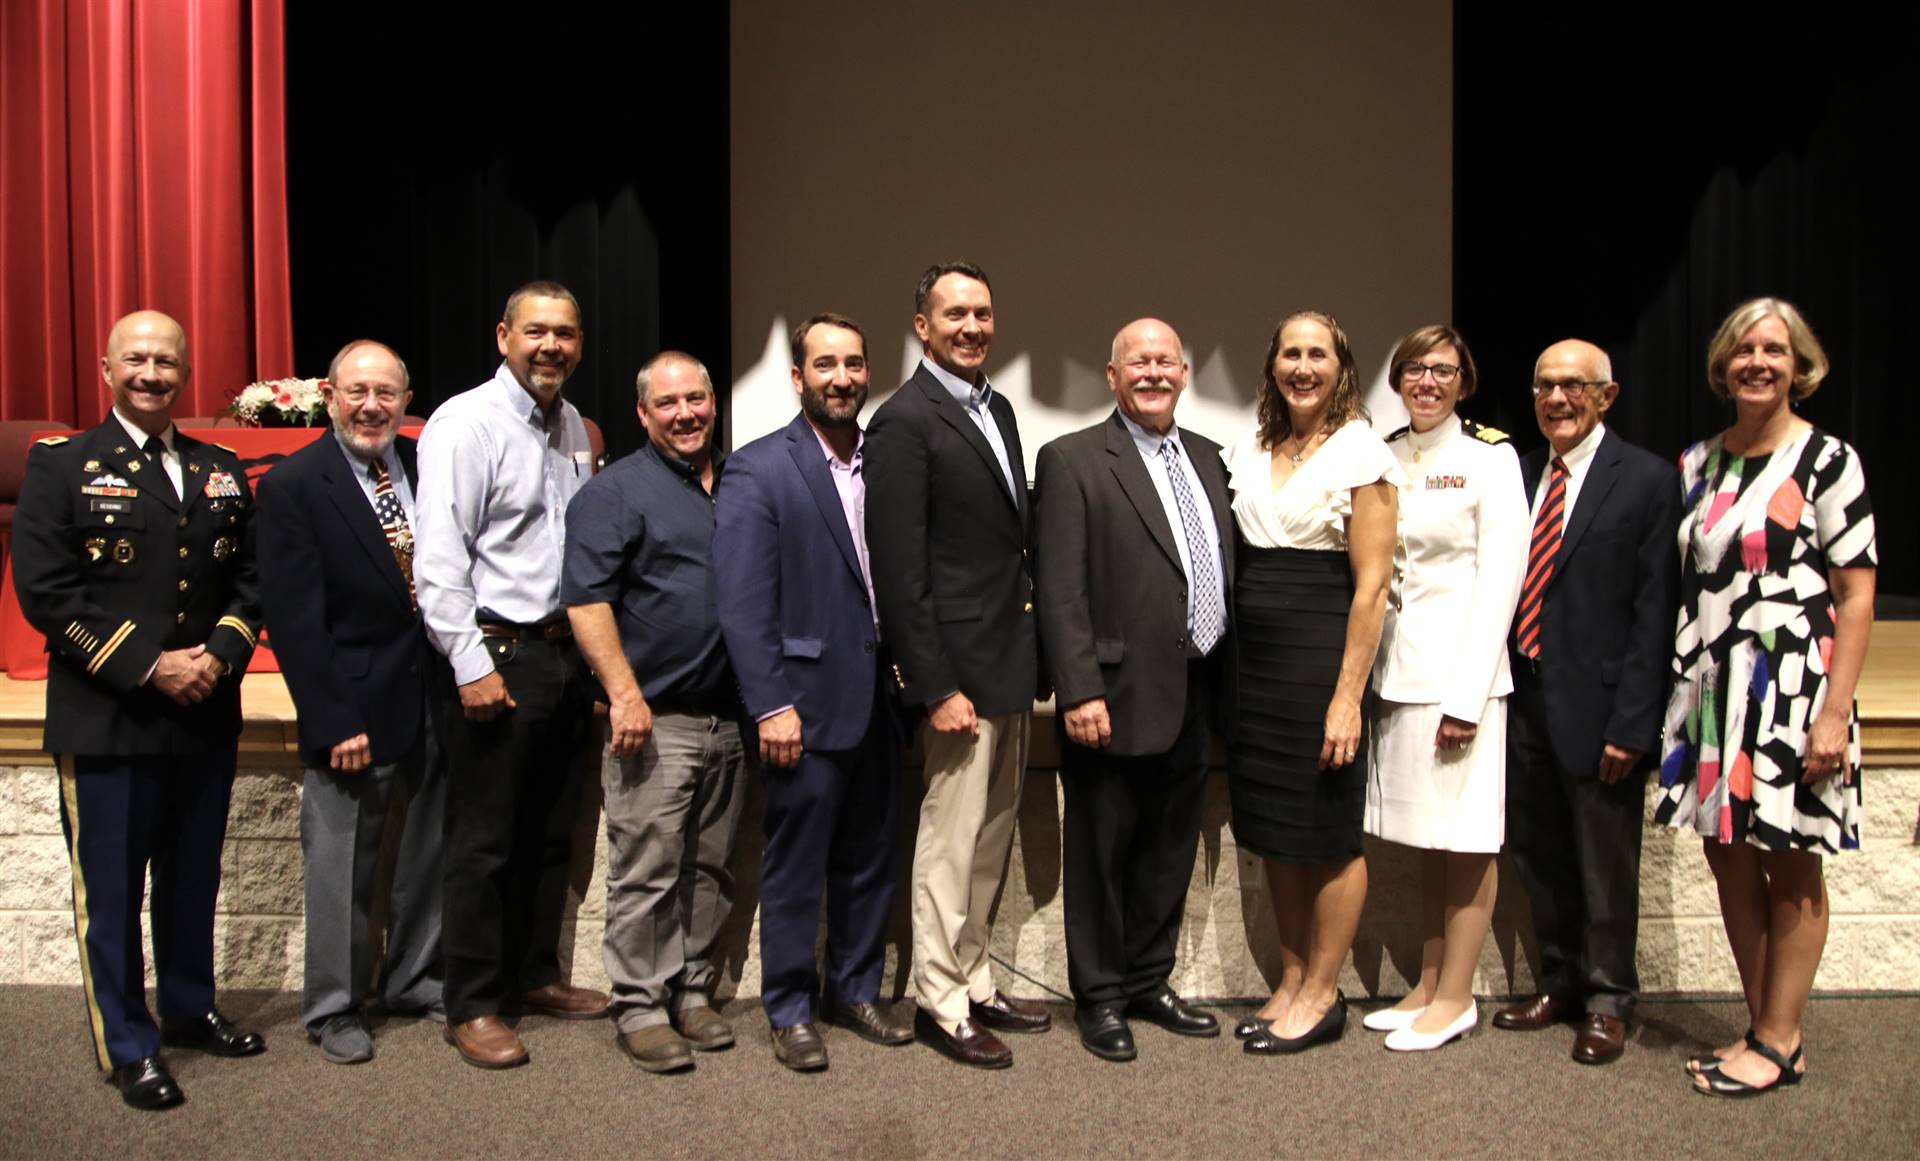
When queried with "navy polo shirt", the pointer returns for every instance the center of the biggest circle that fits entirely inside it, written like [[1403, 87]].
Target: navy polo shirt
[[640, 538]]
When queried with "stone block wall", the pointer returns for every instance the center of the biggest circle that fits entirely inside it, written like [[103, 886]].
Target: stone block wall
[[1228, 946]]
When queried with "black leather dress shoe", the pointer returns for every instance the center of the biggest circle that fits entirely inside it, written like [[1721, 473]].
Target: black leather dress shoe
[[1250, 1027], [1329, 1028], [970, 1044], [799, 1047], [1104, 1033], [1173, 1013], [210, 1033], [1005, 1014], [146, 1084], [870, 1022]]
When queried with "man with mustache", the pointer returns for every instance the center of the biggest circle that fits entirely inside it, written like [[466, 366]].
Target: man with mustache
[[795, 588], [1135, 551], [947, 526], [336, 571], [133, 554], [498, 465], [1592, 648], [640, 591]]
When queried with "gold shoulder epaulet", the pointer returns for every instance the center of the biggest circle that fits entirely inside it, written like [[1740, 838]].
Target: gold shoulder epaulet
[[1490, 434], [51, 440]]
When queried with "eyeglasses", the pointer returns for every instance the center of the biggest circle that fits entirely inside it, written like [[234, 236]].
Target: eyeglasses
[[1443, 373], [1573, 389], [358, 394]]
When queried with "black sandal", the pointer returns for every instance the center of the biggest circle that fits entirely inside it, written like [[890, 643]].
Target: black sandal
[[1700, 1062], [1721, 1085]]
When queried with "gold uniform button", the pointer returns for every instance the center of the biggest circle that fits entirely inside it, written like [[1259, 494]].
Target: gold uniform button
[[183, 553], [109, 519], [1028, 608], [183, 586], [179, 618], [183, 521]]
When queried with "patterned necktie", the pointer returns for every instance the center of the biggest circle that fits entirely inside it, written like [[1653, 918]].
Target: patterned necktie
[[1209, 620], [393, 521], [1548, 527]]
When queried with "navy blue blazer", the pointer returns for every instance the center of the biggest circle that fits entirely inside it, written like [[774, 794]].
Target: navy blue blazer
[[338, 616], [793, 605], [1606, 642]]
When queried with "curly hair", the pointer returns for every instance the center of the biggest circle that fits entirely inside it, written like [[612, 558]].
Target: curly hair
[[1275, 423]]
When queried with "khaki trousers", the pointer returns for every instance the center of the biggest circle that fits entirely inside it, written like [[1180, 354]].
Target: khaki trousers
[[960, 859]]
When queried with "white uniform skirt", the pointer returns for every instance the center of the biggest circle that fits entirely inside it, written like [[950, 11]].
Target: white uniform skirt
[[1451, 800]]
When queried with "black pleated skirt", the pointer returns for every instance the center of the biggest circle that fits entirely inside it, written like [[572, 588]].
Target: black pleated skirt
[[1290, 619]]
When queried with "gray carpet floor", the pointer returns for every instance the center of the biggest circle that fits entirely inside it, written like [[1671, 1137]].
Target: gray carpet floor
[[1497, 1095]]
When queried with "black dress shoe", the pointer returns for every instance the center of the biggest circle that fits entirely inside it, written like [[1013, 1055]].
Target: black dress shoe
[[870, 1022], [970, 1044], [1250, 1027], [1003, 1013], [1104, 1033], [1329, 1029], [146, 1084], [1173, 1013], [799, 1047], [210, 1033]]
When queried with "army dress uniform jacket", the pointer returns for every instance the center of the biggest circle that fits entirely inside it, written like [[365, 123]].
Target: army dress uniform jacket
[[114, 569]]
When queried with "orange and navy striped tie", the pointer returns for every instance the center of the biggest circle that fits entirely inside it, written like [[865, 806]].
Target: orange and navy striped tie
[[1547, 529]]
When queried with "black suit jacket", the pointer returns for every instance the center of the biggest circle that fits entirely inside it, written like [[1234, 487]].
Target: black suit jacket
[[948, 544], [1113, 595], [1606, 644], [349, 642], [114, 568]]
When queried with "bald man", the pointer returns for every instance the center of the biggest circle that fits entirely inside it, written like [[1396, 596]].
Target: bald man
[[133, 554], [1591, 645], [1135, 556]]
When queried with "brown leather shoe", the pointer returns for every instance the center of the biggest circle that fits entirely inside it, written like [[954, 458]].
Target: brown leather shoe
[[704, 1028], [565, 1002], [799, 1047], [1602, 1039], [1003, 1013], [656, 1048], [970, 1044], [1534, 1013], [870, 1022], [487, 1042]]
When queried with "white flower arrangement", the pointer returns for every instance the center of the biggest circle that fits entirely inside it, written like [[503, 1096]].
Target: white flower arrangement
[[280, 403]]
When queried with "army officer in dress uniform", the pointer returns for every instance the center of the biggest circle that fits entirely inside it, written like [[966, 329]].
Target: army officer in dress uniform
[[133, 554]]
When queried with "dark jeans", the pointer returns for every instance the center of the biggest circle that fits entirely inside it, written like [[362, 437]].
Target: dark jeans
[[513, 788]]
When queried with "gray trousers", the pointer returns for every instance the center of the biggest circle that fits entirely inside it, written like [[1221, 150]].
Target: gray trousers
[[672, 810], [342, 819]]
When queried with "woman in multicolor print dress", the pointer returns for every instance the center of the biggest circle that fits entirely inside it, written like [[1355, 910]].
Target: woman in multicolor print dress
[[1763, 745]]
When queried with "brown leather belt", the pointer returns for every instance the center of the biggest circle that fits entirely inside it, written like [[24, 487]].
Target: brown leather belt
[[560, 630]]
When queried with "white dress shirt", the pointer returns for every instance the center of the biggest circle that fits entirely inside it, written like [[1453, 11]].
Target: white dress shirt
[[1149, 444], [1578, 459], [169, 459]]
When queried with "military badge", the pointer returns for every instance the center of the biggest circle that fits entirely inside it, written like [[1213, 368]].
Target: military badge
[[123, 551], [90, 466], [96, 549], [220, 486], [223, 548]]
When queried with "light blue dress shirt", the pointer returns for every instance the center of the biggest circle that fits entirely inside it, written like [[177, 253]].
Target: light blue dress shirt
[[976, 401], [362, 472]]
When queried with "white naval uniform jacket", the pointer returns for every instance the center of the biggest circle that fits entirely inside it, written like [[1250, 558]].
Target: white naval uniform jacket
[[1458, 562]]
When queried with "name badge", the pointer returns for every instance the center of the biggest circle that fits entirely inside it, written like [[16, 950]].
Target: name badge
[[108, 504], [1436, 483]]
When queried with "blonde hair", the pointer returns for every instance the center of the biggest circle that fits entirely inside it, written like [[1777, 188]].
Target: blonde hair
[[1810, 364]]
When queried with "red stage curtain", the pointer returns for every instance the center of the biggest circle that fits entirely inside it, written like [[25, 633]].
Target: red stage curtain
[[142, 164]]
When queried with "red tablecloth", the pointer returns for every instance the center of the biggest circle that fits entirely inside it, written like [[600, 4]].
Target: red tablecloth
[[23, 651]]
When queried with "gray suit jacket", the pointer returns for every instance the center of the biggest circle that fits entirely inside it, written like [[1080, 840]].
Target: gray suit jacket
[[1112, 592]]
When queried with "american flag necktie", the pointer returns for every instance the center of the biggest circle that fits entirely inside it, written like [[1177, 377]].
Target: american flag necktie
[[393, 522]]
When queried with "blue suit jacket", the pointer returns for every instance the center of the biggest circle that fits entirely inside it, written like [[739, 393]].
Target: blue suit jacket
[[349, 643], [793, 606]]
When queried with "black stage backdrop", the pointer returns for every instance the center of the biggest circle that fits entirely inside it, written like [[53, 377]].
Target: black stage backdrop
[[435, 165], [1629, 181]]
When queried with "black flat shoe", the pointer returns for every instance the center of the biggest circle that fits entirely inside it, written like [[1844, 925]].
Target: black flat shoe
[[1250, 1027], [211, 1033], [1330, 1028], [146, 1084], [1699, 1062]]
